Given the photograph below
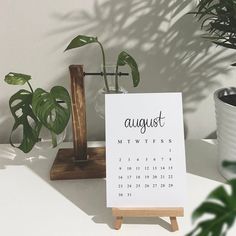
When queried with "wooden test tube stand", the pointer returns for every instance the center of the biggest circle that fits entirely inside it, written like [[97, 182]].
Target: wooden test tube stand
[[79, 162], [82, 162]]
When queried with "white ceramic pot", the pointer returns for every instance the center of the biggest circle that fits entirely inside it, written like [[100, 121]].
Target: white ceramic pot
[[226, 133]]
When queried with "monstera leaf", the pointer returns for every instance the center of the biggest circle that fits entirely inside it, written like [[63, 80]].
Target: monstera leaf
[[52, 108], [221, 206], [17, 78], [20, 106], [80, 41], [125, 59]]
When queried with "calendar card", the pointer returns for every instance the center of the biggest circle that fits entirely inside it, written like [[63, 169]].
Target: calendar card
[[145, 153]]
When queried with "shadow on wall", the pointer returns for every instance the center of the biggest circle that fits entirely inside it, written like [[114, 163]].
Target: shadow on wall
[[162, 38]]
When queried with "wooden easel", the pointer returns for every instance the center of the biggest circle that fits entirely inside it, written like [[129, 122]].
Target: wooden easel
[[79, 162], [120, 213]]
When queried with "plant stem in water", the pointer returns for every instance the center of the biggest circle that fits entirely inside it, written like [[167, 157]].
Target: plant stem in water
[[54, 139], [116, 79], [53, 135], [104, 67]]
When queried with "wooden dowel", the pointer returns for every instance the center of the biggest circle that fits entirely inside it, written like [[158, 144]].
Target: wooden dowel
[[78, 113]]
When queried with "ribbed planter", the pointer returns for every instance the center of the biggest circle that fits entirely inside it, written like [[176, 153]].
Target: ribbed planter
[[226, 133]]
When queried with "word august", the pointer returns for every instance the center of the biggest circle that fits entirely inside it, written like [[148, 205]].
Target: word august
[[143, 124]]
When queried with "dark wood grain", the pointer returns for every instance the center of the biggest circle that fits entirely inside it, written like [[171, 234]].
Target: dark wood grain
[[78, 112], [64, 166], [80, 162]]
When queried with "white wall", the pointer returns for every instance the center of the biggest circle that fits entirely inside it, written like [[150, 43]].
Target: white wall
[[164, 41]]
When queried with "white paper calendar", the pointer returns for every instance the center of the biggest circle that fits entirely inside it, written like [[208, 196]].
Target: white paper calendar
[[145, 153]]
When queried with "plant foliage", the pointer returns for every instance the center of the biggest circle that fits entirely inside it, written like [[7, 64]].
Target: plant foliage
[[229, 165], [21, 109], [47, 107], [80, 41], [33, 109], [220, 207], [123, 59], [17, 78], [218, 18]]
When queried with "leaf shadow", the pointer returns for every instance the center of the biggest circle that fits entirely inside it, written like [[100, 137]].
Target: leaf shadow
[[161, 37]]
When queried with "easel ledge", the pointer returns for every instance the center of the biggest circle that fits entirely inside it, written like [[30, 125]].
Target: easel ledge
[[171, 212]]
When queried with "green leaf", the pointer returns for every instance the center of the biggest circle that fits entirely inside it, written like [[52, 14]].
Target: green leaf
[[221, 206], [218, 19], [20, 106], [203, 4], [208, 11], [16, 78], [212, 37], [52, 108], [125, 59], [226, 45], [230, 165], [80, 41]]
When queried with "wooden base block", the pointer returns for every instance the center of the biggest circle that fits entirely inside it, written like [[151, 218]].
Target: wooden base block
[[171, 212], [65, 167]]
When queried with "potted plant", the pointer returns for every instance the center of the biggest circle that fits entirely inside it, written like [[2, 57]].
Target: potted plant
[[218, 18], [217, 214], [35, 110], [109, 73]]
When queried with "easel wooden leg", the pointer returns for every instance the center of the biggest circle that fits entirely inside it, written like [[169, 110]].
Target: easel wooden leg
[[118, 222], [174, 224], [171, 212]]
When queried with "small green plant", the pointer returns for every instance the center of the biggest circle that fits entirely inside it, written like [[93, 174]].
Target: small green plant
[[34, 109], [220, 207], [123, 59], [218, 18]]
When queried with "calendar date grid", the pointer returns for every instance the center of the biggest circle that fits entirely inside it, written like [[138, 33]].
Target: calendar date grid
[[144, 173]]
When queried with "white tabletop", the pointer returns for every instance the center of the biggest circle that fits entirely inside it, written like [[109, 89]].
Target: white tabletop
[[32, 205]]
